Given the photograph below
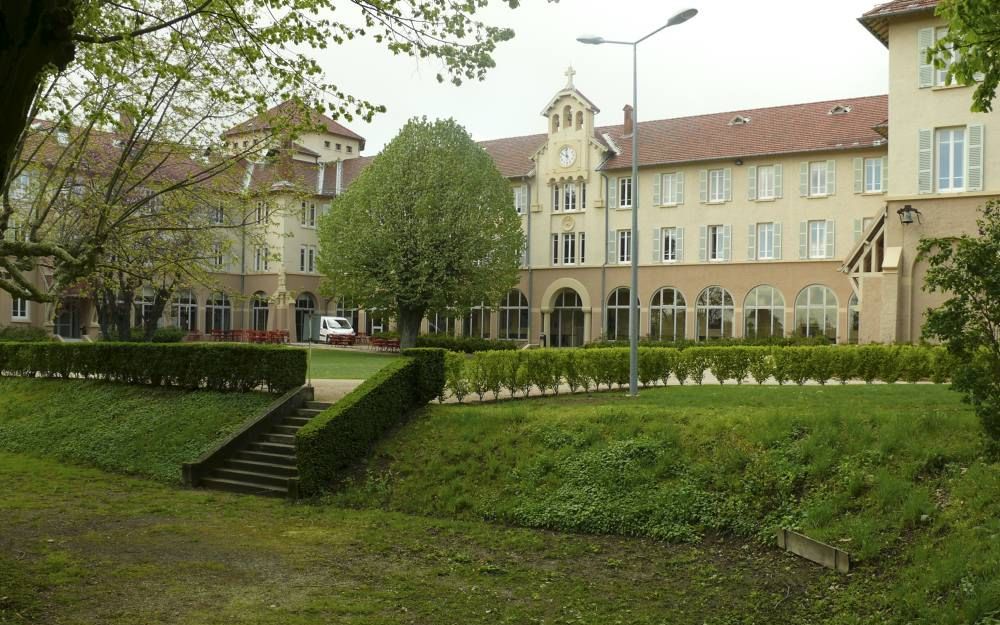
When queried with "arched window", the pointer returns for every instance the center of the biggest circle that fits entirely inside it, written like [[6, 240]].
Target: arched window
[[441, 323], [566, 327], [259, 308], [764, 313], [514, 317], [305, 308], [568, 117], [348, 310], [616, 327], [477, 322], [579, 120], [667, 315], [184, 312], [853, 319], [555, 123], [816, 312], [218, 313], [714, 314]]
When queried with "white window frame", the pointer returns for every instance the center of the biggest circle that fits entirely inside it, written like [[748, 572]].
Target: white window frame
[[817, 239], [20, 188], [765, 182], [624, 240], [669, 244], [569, 198], [569, 248], [819, 185], [941, 74], [218, 259], [715, 250], [218, 216], [765, 241], [308, 214], [716, 186], [20, 309], [954, 149], [625, 192], [873, 168], [668, 189], [261, 259]]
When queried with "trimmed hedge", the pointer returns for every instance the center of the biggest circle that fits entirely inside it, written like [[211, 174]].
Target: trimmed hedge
[[346, 432], [774, 341], [219, 367], [488, 373], [467, 344], [24, 334]]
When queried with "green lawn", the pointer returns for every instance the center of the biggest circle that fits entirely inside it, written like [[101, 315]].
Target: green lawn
[[126, 429], [346, 364], [80, 546], [893, 474]]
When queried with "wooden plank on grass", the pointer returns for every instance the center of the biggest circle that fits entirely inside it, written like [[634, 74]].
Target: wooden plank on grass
[[820, 553]]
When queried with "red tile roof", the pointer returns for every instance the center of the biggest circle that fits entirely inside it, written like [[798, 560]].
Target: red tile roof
[[877, 20], [512, 155], [352, 169], [293, 111], [777, 130]]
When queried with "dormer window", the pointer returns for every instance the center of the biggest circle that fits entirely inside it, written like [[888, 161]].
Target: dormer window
[[739, 120], [840, 109]]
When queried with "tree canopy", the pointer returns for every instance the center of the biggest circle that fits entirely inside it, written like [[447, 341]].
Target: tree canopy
[[180, 71], [974, 39], [430, 224], [967, 270]]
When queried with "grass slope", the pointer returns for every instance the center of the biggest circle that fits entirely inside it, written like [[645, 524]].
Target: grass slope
[[893, 474], [141, 552], [126, 429], [344, 364]]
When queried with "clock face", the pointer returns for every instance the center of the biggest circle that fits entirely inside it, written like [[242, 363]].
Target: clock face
[[566, 156]]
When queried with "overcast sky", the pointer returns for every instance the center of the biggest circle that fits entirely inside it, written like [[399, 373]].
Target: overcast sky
[[735, 54]]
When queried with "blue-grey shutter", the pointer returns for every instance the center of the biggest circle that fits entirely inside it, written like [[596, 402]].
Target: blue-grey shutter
[[657, 185], [612, 248], [885, 174], [752, 242], [727, 243], [703, 185], [831, 177], [777, 181], [777, 240], [752, 183], [858, 229], [925, 73], [679, 245], [657, 240], [727, 184], [859, 175], [703, 243], [831, 238], [804, 179], [803, 239], [679, 188], [925, 161], [974, 160], [612, 192]]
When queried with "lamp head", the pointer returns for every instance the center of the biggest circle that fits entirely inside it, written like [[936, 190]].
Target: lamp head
[[592, 40], [682, 17]]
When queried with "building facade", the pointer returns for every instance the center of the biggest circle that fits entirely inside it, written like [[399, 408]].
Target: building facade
[[756, 223]]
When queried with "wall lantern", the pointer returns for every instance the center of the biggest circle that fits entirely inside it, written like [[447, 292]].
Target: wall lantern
[[906, 215]]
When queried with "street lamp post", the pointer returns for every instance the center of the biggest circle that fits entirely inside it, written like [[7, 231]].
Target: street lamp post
[[633, 309]]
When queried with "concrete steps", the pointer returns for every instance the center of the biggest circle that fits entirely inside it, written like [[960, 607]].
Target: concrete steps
[[266, 465]]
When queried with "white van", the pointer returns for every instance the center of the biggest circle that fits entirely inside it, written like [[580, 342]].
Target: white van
[[334, 326]]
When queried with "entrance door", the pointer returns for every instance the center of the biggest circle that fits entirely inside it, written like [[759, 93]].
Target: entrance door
[[567, 320], [67, 322], [305, 308]]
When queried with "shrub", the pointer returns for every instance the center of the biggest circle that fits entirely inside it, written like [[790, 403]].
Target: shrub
[[792, 363], [455, 377], [870, 362], [221, 367], [345, 432], [24, 334], [168, 335], [761, 365], [822, 365], [467, 344], [845, 363]]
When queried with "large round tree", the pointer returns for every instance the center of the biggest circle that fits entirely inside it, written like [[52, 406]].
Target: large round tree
[[429, 224]]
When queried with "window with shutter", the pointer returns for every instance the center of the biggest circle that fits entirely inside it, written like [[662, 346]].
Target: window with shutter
[[831, 177], [613, 193], [831, 239], [777, 241], [925, 71], [703, 185], [804, 179], [752, 242], [679, 188], [657, 184], [974, 180], [703, 243], [859, 175], [751, 183], [950, 157], [925, 161], [657, 233], [679, 243], [611, 257], [778, 181]]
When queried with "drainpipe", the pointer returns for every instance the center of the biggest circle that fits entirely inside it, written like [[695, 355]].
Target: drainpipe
[[604, 241], [527, 259], [243, 249]]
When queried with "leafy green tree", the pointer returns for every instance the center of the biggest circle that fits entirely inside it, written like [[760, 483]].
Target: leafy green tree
[[974, 38], [79, 62], [428, 224], [966, 270]]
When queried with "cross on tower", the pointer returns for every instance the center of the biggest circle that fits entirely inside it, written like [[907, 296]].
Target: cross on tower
[[570, 72]]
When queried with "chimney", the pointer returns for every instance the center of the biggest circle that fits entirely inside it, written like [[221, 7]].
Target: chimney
[[628, 120]]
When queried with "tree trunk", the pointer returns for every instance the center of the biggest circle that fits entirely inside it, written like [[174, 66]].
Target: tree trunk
[[153, 313], [34, 34], [409, 326]]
